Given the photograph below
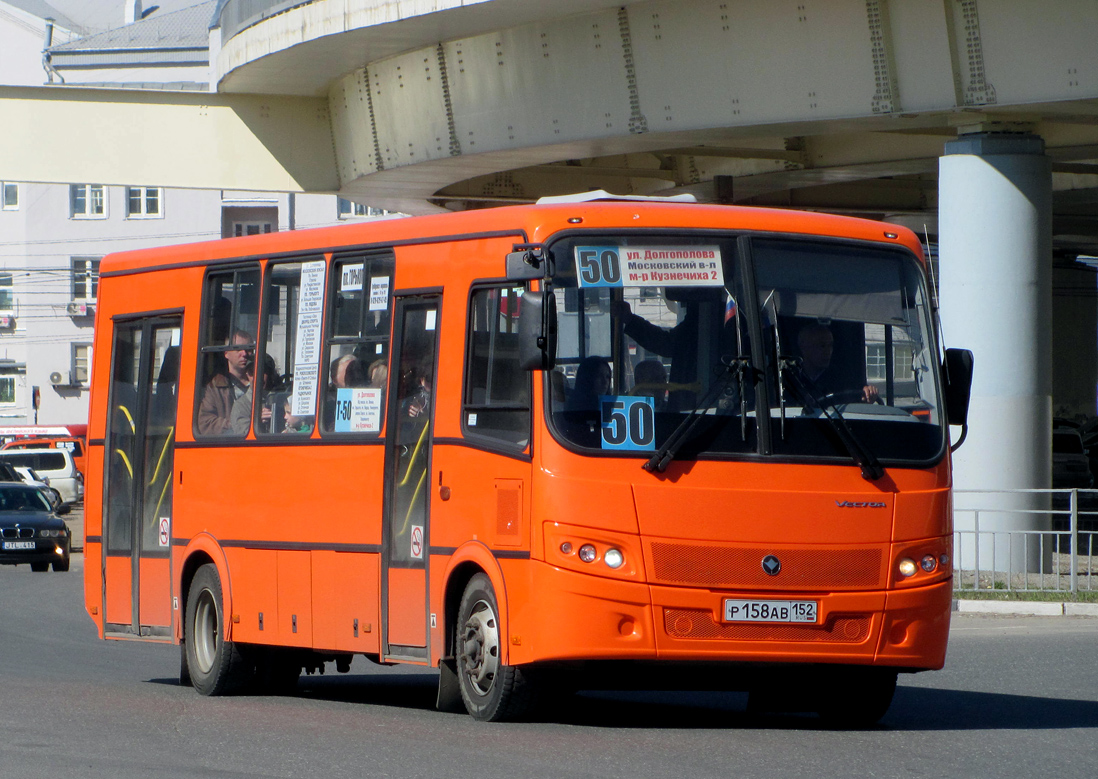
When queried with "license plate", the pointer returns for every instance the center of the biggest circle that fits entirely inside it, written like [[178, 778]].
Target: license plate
[[770, 610], [12, 545]]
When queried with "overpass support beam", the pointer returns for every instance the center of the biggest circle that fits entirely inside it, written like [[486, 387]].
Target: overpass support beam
[[995, 226]]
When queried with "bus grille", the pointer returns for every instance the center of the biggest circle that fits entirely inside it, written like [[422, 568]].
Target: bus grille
[[699, 624], [739, 567]]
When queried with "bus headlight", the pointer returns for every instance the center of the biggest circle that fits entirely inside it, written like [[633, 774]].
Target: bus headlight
[[613, 558], [907, 567], [929, 563], [587, 553]]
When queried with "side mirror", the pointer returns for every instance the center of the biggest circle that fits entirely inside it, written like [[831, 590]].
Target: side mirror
[[63, 509], [957, 380], [537, 331], [526, 262]]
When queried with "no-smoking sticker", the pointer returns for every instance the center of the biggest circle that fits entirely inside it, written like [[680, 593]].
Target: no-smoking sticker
[[165, 523], [417, 542]]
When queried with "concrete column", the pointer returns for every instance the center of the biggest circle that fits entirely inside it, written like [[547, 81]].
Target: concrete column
[[995, 233]]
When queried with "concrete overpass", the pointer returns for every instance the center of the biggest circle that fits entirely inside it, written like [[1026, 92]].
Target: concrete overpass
[[417, 104], [983, 111]]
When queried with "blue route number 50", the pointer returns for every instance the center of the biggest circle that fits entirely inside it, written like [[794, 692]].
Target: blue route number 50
[[628, 423]]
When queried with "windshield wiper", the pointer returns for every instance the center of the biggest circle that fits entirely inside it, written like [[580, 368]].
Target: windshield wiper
[[735, 367], [863, 456]]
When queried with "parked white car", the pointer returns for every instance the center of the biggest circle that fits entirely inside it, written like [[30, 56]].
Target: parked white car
[[55, 464], [32, 477]]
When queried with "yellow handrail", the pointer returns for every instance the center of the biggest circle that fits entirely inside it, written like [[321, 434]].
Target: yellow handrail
[[415, 454], [163, 452]]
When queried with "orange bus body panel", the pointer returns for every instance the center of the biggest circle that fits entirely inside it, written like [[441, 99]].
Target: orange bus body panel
[[155, 604], [119, 598], [346, 594], [407, 594]]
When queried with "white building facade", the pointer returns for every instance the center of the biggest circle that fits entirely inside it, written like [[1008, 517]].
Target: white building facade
[[52, 237]]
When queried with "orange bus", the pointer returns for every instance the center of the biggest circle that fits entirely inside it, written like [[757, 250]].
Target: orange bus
[[542, 448]]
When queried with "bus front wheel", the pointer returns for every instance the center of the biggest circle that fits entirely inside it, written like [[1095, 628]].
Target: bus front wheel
[[491, 691], [215, 664]]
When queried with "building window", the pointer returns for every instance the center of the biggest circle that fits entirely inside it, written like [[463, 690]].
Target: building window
[[348, 209], [144, 202], [876, 365], [905, 362], [7, 390], [88, 201], [11, 196], [80, 364], [7, 299], [250, 228], [85, 278]]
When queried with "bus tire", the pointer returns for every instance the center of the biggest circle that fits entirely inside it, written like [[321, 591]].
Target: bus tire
[[491, 691], [856, 697], [216, 665]]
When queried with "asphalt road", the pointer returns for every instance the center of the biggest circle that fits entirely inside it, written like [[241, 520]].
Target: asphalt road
[[1019, 698]]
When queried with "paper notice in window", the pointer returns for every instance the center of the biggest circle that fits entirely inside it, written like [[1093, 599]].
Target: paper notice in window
[[307, 347], [379, 293], [358, 410], [350, 278]]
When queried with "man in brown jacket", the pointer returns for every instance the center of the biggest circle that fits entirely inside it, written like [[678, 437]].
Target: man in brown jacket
[[214, 413]]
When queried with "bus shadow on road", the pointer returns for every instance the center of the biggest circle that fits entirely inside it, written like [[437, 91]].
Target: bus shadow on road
[[402, 690], [916, 708], [913, 709]]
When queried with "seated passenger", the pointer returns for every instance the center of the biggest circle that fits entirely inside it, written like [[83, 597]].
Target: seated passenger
[[295, 424], [215, 410], [648, 376], [379, 373], [347, 372], [593, 378], [241, 415]]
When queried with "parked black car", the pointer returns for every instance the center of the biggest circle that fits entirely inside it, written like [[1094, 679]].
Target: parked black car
[[31, 530], [1070, 465]]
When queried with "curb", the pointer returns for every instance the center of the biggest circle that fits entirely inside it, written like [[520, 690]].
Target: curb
[[1025, 608]]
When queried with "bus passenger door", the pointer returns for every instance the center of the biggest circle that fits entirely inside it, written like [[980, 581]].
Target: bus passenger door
[[406, 530], [139, 462]]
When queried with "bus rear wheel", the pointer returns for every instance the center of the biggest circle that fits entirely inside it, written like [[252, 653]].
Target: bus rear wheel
[[491, 691], [216, 665]]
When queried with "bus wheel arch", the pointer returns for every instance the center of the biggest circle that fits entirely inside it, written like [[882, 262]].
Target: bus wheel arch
[[491, 690], [468, 560], [215, 664], [201, 551], [190, 567]]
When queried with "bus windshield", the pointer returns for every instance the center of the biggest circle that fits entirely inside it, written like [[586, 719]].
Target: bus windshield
[[688, 341]]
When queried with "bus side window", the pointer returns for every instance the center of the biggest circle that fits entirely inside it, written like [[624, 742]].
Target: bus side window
[[356, 367], [230, 319], [497, 392], [292, 318]]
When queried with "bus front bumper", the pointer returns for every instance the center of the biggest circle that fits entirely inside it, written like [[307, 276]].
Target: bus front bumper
[[574, 616]]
